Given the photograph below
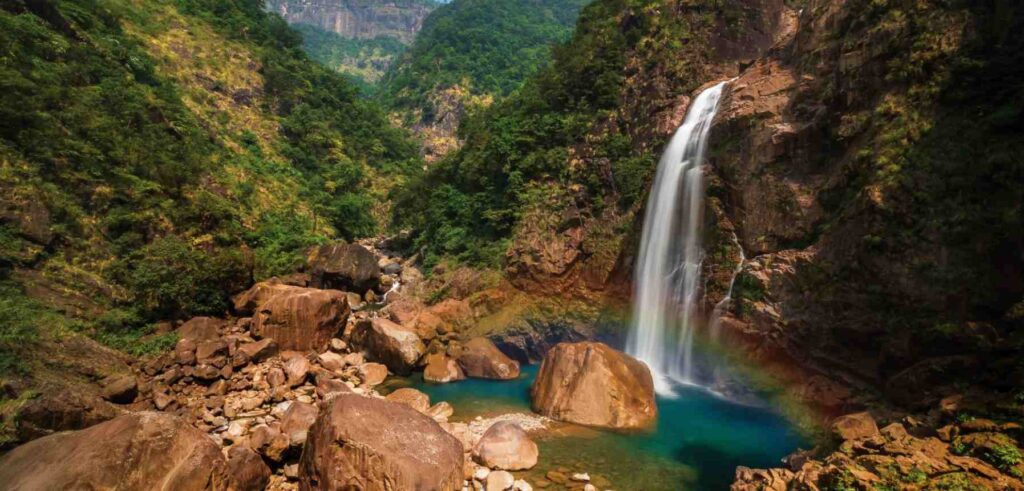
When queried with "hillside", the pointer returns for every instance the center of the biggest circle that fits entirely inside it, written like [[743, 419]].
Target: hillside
[[157, 156], [469, 53], [360, 38]]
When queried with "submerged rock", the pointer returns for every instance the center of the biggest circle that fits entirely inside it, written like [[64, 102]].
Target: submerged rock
[[592, 384], [367, 443], [140, 451]]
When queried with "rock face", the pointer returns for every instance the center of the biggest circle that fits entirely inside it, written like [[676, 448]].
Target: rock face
[[301, 318], [357, 19], [396, 346], [480, 358], [366, 443], [348, 267], [592, 384], [140, 451], [506, 446]]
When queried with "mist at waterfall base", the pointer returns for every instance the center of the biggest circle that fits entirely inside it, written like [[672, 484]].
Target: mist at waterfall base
[[667, 292], [697, 443]]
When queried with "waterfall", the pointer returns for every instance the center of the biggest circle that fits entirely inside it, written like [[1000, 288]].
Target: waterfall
[[716, 314], [667, 295]]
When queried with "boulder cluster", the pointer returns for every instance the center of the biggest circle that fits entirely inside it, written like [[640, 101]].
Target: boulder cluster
[[283, 394], [906, 453]]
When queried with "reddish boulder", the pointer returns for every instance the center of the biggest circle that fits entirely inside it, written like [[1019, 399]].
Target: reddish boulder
[[302, 318], [480, 358], [592, 384], [854, 426], [442, 369], [296, 420], [248, 469], [260, 350], [201, 329], [410, 397], [140, 451], [396, 346], [506, 446], [366, 443], [247, 302]]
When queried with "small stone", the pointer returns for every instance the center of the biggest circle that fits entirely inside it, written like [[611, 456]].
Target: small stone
[[589, 487], [441, 411], [581, 477], [521, 485], [338, 345], [331, 361], [276, 377], [296, 370], [373, 373], [291, 471], [162, 400], [500, 481], [481, 473]]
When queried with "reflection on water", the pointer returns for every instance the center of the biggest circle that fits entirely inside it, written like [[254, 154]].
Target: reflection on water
[[699, 440]]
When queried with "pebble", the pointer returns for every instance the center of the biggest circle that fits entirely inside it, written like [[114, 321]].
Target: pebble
[[521, 485], [581, 477], [481, 473]]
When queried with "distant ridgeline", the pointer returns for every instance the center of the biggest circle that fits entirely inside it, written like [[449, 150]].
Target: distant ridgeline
[[157, 155], [359, 38]]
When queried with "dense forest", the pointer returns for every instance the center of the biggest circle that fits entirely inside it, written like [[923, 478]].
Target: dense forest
[[364, 60], [156, 158], [485, 46]]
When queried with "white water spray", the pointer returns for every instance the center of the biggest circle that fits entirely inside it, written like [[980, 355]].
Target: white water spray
[[666, 298]]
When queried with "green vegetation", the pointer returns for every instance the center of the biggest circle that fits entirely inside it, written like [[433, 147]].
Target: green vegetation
[[517, 152], [364, 60], [487, 46], [172, 151]]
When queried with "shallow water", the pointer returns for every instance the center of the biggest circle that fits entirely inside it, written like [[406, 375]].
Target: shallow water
[[699, 440]]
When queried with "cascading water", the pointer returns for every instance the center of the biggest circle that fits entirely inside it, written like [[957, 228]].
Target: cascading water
[[668, 271]]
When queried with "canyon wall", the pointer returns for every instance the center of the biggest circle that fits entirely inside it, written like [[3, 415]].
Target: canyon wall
[[357, 19]]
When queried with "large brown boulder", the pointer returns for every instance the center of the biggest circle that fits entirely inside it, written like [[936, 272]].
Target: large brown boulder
[[372, 444], [343, 266], [506, 446], [140, 451], [854, 426], [247, 302], [480, 358], [394, 345], [302, 318], [592, 384]]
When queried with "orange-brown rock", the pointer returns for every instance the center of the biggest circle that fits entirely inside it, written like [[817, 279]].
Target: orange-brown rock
[[199, 329], [373, 444], [249, 471], [411, 397], [506, 446], [592, 384], [296, 420], [442, 369], [140, 451], [480, 358], [247, 302], [396, 346], [854, 426], [302, 318]]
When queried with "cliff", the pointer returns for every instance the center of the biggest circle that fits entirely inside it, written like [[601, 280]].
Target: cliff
[[357, 19]]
